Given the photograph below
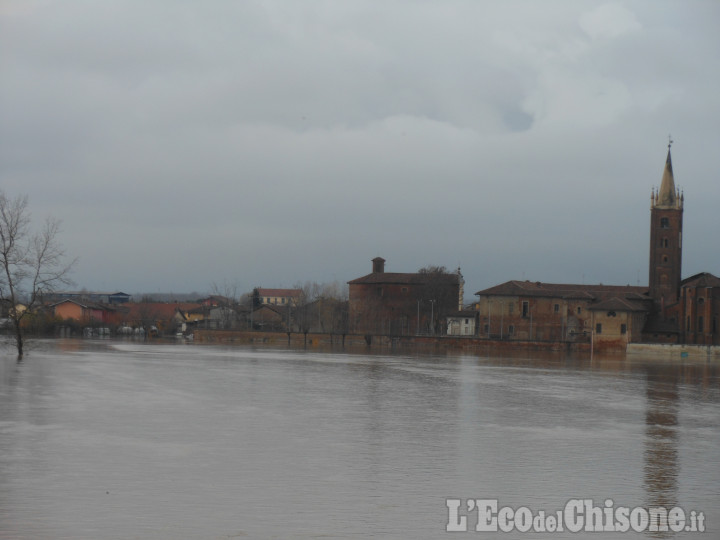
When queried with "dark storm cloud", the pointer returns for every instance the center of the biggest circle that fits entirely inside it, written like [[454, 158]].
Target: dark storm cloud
[[273, 141]]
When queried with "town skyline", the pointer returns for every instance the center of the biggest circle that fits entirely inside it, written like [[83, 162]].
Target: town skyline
[[276, 144]]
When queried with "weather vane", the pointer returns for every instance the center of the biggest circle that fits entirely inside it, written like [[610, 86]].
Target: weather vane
[[670, 141]]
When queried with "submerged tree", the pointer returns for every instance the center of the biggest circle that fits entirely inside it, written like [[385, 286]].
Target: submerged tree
[[33, 264]]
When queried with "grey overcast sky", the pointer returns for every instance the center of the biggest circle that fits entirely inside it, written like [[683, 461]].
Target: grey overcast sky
[[270, 142]]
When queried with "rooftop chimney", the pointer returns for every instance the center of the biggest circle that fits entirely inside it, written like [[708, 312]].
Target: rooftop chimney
[[378, 265]]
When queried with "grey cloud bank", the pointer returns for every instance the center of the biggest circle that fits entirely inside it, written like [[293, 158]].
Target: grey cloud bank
[[272, 142]]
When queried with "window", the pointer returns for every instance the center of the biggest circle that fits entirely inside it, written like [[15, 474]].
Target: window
[[664, 242], [404, 289], [579, 310], [623, 328], [511, 329], [486, 329], [511, 307], [715, 325], [664, 223], [282, 301], [687, 325], [525, 308], [701, 301], [379, 291], [611, 314], [598, 328], [557, 308], [700, 323], [665, 258], [467, 321]]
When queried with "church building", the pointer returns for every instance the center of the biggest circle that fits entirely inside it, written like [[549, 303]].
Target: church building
[[668, 310]]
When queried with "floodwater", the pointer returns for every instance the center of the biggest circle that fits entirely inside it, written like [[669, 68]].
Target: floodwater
[[122, 440]]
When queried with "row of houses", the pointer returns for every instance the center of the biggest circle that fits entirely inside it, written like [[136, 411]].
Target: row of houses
[[430, 302], [160, 316], [264, 309]]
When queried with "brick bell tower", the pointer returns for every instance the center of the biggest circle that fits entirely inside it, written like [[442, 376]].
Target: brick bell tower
[[666, 215]]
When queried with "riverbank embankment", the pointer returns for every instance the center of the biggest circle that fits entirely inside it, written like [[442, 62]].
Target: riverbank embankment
[[382, 343]]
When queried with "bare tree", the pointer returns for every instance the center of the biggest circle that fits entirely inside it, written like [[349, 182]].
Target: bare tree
[[443, 290], [33, 264], [302, 314], [227, 294], [321, 307]]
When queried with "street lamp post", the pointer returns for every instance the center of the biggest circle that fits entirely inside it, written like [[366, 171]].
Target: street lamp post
[[432, 317]]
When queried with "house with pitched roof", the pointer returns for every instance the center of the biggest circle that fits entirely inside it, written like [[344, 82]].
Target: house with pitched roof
[[462, 323], [83, 311], [537, 311], [279, 297]]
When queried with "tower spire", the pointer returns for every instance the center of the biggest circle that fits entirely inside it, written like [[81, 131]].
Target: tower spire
[[667, 194]]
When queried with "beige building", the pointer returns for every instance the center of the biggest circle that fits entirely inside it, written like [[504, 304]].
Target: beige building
[[279, 297], [537, 311]]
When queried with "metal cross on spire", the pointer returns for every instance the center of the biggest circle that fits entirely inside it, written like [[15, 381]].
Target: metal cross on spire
[[670, 141]]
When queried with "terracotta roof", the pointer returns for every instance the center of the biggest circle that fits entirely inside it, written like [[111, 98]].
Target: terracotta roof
[[619, 304], [565, 290], [704, 279], [84, 304], [408, 278]]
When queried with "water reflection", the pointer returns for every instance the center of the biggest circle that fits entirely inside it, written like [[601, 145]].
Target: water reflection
[[661, 439], [138, 440]]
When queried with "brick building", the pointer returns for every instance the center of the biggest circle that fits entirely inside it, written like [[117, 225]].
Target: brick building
[[700, 310], [391, 303], [537, 311], [669, 310]]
